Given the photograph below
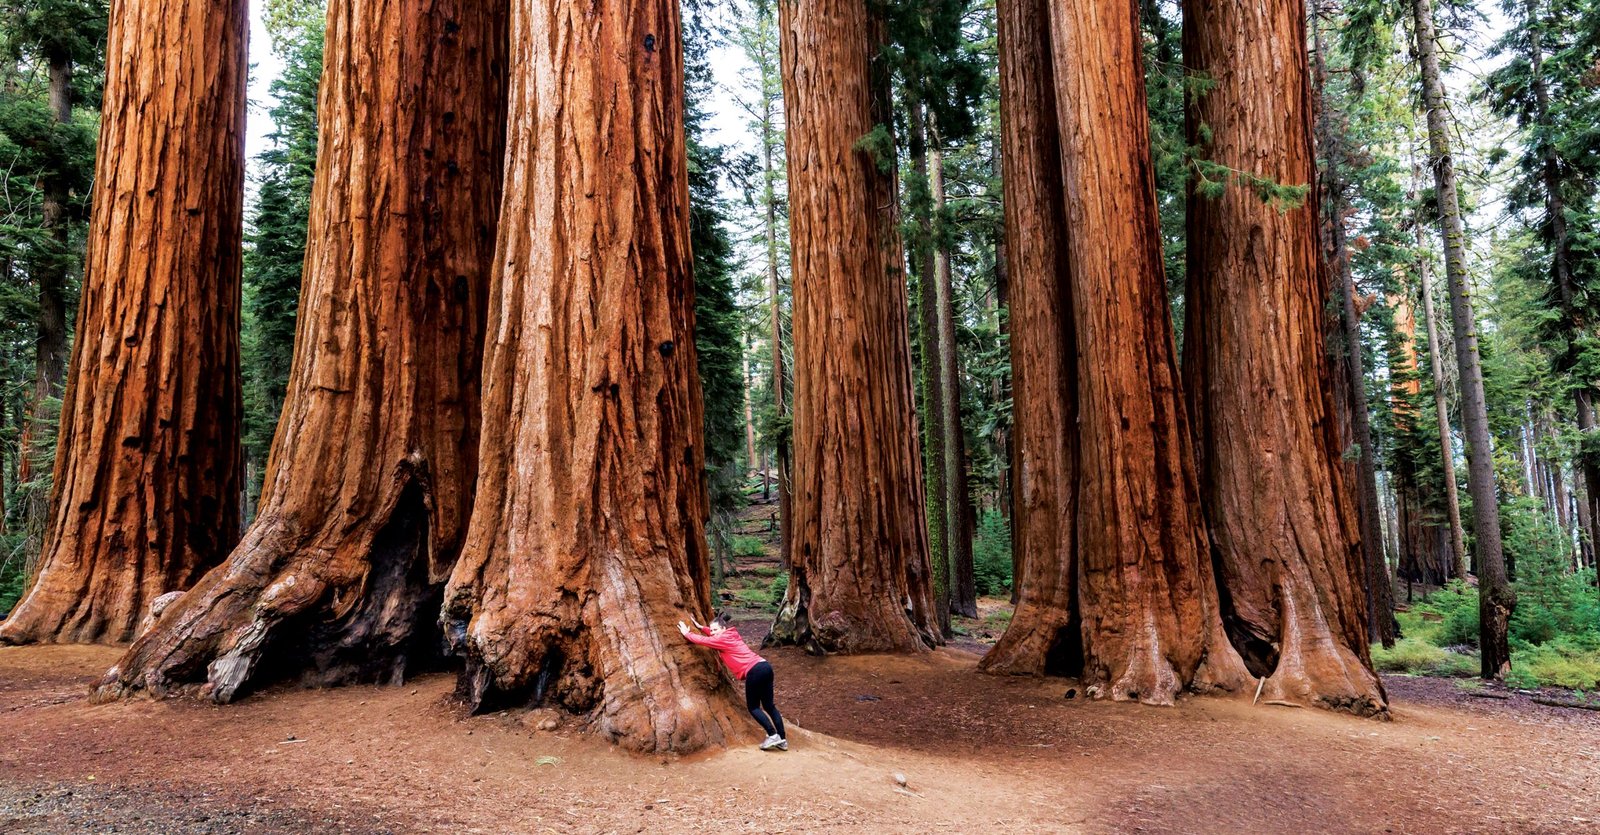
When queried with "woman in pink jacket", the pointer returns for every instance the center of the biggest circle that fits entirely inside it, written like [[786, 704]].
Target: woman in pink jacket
[[745, 665]]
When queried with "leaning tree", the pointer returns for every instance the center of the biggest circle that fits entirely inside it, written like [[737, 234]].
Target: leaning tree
[[370, 479], [587, 545], [148, 469], [1258, 374], [1138, 576], [860, 578]]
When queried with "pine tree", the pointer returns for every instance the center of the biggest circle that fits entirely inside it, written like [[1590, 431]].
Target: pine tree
[[277, 235], [719, 346]]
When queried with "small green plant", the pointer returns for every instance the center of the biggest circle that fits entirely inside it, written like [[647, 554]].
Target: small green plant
[[12, 562], [1564, 662], [777, 588], [997, 620], [991, 555], [748, 546], [1417, 657]]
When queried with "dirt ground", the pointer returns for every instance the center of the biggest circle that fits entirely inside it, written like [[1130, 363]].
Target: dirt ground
[[978, 754]]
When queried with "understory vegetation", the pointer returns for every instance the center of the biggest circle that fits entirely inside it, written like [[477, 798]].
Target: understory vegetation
[[1555, 630]]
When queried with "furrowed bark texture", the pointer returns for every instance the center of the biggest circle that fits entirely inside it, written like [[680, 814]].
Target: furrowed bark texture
[[931, 378], [1045, 633], [1447, 456], [860, 578], [1152, 626], [957, 500], [1259, 375], [1495, 597], [146, 486], [370, 479], [588, 542]]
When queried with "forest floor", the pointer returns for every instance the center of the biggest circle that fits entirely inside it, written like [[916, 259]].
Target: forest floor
[[977, 754]]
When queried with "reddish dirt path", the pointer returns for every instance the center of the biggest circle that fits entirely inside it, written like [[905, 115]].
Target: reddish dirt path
[[980, 754]]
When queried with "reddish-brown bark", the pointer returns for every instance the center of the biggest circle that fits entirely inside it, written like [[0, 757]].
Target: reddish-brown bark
[[860, 577], [1259, 376], [587, 545], [370, 479], [1044, 634], [1151, 622], [147, 477]]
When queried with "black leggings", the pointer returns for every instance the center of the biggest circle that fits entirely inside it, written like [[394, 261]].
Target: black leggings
[[758, 698]]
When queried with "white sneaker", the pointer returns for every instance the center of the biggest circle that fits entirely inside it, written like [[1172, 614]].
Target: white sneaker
[[774, 741]]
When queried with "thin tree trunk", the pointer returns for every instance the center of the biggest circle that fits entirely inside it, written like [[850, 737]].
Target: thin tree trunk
[[145, 492], [752, 461], [935, 453], [1258, 373], [775, 311], [50, 333], [1381, 623], [1447, 463], [370, 481], [860, 576], [1045, 633], [1495, 597], [1005, 386], [1586, 464], [587, 545], [957, 500], [769, 179]]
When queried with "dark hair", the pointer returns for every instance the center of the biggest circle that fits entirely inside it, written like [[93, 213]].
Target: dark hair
[[724, 619]]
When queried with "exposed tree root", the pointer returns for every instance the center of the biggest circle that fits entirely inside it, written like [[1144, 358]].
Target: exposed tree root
[[282, 607], [861, 625], [1315, 669]]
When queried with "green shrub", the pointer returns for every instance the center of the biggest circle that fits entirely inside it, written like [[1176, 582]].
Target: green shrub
[[748, 546], [777, 587], [12, 561], [1551, 600], [1408, 655], [991, 555], [1417, 657], [1450, 616], [1564, 662]]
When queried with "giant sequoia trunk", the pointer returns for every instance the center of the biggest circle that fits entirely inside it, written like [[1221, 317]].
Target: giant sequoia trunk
[[859, 580], [1045, 634], [369, 483], [588, 541], [147, 476], [1127, 499], [1259, 377], [1495, 597]]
